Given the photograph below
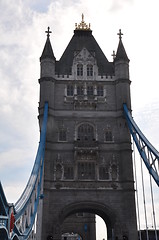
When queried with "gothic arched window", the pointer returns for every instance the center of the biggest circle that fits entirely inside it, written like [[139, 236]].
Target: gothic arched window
[[86, 132], [103, 173], [114, 172], [90, 90], [68, 172], [86, 170], [79, 70], [59, 172], [108, 135], [80, 90], [62, 135], [69, 90], [89, 70], [100, 91]]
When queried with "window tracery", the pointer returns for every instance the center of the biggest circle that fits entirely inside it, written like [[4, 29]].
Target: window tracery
[[89, 70], [86, 132], [68, 172], [103, 173], [86, 170], [80, 90], [100, 91], [90, 90], [79, 70], [70, 90], [108, 135], [62, 135]]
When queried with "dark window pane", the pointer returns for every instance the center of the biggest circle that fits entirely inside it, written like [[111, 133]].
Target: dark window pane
[[79, 70], [70, 90], [108, 135], [89, 70], [100, 91], [80, 90], [86, 170], [86, 132], [90, 90], [62, 135]]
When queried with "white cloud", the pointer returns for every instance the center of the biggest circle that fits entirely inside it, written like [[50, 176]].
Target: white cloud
[[22, 30]]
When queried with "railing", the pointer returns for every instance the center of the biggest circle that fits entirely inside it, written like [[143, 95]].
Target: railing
[[27, 205], [22, 215], [148, 153]]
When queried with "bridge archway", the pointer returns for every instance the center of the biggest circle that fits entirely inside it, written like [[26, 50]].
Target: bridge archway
[[105, 212]]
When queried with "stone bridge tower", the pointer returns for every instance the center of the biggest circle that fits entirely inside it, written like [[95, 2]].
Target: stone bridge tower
[[88, 158]]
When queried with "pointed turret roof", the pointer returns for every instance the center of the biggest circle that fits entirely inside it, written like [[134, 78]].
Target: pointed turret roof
[[47, 51], [121, 53], [83, 38]]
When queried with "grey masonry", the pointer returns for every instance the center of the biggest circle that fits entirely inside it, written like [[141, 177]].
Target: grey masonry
[[88, 158]]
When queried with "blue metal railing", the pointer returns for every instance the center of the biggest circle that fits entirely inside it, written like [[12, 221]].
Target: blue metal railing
[[34, 184], [27, 205], [148, 153], [23, 200]]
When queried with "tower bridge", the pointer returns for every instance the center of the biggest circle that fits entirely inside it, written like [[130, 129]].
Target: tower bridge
[[84, 164]]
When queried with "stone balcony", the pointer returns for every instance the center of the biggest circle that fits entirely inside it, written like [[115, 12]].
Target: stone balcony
[[86, 145]]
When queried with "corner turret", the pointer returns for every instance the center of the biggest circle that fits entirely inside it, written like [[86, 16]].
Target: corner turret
[[121, 60], [121, 64], [47, 74], [47, 59]]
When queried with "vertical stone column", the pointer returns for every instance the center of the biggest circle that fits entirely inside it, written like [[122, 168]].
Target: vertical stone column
[[75, 92], [85, 91], [95, 92]]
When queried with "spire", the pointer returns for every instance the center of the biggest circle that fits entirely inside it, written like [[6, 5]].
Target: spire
[[47, 51], [121, 53]]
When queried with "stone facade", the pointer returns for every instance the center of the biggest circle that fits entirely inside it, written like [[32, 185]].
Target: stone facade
[[88, 158]]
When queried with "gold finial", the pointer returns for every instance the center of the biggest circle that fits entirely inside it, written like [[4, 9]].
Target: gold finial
[[82, 17], [82, 25]]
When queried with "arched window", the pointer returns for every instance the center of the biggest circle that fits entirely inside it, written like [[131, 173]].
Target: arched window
[[68, 172], [89, 70], [103, 173], [62, 135], [100, 91], [79, 70], [90, 90], [80, 90], [86, 132], [59, 172], [86, 170], [69, 90], [114, 172], [108, 135]]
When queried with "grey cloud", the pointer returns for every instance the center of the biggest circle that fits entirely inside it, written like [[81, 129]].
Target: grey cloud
[[118, 5]]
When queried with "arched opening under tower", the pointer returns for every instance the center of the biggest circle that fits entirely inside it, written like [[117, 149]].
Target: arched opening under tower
[[90, 226], [80, 220], [101, 229]]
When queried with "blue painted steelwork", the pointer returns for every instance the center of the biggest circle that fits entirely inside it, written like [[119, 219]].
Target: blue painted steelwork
[[25, 209], [148, 153], [4, 214]]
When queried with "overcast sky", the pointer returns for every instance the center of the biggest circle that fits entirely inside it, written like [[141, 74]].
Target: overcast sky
[[22, 37]]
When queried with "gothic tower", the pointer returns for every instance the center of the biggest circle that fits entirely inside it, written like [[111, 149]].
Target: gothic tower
[[88, 157]]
